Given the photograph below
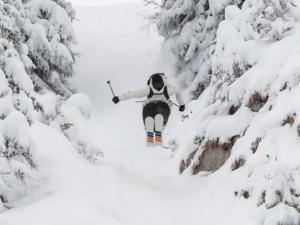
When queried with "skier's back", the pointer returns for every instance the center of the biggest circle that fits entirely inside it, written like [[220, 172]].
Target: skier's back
[[157, 107]]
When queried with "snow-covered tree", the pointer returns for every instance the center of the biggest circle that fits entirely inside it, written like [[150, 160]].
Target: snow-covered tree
[[70, 119], [190, 28], [18, 165], [36, 61], [271, 19], [49, 35], [245, 120], [17, 162]]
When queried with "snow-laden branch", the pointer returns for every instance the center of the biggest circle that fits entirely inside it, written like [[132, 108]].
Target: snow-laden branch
[[152, 2]]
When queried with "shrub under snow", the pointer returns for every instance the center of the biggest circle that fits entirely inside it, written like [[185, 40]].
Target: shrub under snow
[[70, 121]]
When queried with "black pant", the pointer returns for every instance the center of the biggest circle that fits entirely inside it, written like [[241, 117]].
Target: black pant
[[154, 108]]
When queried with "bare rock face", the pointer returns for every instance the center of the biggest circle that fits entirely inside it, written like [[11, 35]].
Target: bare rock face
[[186, 163], [238, 163], [290, 119], [255, 144], [214, 155], [257, 101], [233, 109]]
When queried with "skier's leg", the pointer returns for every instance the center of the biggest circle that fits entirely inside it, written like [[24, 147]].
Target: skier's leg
[[149, 125], [148, 116], [159, 127], [164, 109]]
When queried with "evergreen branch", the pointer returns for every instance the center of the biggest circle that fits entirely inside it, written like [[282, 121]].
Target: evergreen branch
[[152, 2], [66, 126]]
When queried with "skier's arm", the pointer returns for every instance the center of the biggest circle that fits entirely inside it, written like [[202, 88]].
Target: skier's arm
[[135, 94], [178, 93]]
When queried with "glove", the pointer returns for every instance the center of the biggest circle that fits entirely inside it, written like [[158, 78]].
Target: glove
[[116, 100], [182, 108]]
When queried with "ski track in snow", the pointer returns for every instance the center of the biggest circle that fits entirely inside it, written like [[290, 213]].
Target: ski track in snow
[[132, 185]]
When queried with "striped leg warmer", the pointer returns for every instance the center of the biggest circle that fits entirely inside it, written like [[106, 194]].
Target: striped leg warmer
[[158, 138], [150, 139]]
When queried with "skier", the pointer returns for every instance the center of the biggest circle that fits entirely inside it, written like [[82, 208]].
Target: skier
[[157, 107]]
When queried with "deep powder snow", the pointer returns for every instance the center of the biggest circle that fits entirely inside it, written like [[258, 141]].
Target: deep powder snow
[[132, 185]]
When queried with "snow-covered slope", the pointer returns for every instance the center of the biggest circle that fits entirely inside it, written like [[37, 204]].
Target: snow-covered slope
[[244, 127], [132, 185], [140, 186]]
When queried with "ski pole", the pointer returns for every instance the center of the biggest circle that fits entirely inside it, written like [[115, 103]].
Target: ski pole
[[112, 91], [175, 104]]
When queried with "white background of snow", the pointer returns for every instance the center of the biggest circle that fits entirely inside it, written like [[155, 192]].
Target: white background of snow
[[133, 185]]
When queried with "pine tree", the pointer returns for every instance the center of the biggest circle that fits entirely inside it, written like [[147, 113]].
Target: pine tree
[[271, 19], [258, 20], [36, 61], [189, 28], [50, 39], [16, 112]]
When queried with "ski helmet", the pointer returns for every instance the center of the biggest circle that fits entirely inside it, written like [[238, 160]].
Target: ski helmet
[[157, 81]]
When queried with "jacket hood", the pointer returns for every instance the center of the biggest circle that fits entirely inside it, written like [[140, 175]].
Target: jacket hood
[[157, 82]]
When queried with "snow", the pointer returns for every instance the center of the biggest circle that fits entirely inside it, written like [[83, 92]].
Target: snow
[[14, 69], [6, 106], [48, 101], [3, 84], [133, 185], [82, 102], [283, 215], [58, 17], [218, 6], [268, 174], [16, 128], [95, 3], [121, 48], [129, 188], [37, 38]]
